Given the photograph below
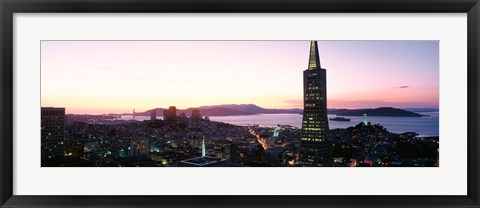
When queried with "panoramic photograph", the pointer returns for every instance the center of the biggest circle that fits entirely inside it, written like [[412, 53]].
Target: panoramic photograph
[[309, 103]]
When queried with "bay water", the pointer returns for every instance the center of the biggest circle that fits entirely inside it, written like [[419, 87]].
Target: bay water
[[424, 126]]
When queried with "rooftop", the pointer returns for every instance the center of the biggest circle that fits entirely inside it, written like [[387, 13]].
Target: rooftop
[[202, 161]]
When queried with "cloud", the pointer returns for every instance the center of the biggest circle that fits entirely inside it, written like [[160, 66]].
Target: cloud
[[402, 87]]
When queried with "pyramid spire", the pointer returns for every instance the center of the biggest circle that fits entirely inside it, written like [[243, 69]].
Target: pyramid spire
[[314, 60]]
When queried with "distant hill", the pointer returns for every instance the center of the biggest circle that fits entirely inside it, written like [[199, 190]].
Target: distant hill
[[215, 111], [384, 111], [226, 110], [251, 109], [422, 109]]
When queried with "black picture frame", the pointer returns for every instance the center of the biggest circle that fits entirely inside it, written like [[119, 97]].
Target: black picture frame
[[9, 7]]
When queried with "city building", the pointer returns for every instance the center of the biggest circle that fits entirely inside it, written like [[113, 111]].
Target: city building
[[315, 148], [227, 152], [170, 113], [139, 147], [245, 153], [153, 115], [196, 114], [52, 133], [275, 157]]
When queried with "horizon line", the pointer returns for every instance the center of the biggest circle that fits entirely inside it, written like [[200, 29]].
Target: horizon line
[[143, 111]]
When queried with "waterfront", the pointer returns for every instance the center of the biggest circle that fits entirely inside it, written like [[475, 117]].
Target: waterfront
[[424, 126]]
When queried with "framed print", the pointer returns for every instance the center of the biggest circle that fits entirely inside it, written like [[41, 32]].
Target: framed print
[[245, 104]]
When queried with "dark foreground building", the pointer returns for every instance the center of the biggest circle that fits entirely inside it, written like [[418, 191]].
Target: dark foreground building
[[315, 148], [52, 133]]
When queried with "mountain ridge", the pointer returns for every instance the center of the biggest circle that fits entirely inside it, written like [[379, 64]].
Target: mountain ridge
[[252, 109]]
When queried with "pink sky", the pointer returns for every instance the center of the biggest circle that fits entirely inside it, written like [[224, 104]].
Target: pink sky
[[116, 76]]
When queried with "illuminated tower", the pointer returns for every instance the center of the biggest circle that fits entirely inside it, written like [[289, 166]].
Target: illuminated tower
[[276, 132], [365, 122], [315, 148], [203, 148], [204, 161]]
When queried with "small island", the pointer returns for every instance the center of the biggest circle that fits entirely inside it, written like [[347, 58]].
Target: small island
[[340, 119], [384, 112]]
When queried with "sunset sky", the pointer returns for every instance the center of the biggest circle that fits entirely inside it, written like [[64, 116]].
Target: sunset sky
[[96, 77]]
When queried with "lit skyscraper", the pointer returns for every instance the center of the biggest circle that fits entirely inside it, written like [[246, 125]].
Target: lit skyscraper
[[315, 148], [53, 121]]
